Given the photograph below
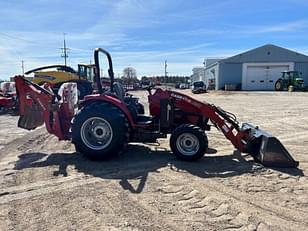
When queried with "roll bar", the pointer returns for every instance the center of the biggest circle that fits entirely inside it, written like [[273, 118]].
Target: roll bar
[[97, 70]]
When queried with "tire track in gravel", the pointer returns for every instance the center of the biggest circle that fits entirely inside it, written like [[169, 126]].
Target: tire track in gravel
[[45, 187], [119, 210], [147, 218], [122, 200], [172, 200], [231, 197]]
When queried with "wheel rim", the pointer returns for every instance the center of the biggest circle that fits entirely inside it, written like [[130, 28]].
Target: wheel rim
[[290, 88], [278, 85], [187, 144], [96, 133]]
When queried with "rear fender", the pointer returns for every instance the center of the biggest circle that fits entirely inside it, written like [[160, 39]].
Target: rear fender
[[112, 100]]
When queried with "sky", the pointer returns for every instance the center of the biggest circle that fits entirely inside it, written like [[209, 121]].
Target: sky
[[144, 33]]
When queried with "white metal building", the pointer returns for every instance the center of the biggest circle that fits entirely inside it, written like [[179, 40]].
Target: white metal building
[[257, 69], [198, 74]]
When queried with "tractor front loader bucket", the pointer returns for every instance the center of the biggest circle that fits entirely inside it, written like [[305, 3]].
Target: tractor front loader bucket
[[267, 149]]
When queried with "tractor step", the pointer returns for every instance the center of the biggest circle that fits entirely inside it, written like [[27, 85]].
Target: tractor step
[[145, 136]]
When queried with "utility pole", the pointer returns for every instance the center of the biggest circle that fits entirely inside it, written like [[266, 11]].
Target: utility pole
[[204, 63], [23, 67], [166, 71], [64, 51]]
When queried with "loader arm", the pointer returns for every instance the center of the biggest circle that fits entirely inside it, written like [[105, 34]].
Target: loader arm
[[224, 121], [261, 145]]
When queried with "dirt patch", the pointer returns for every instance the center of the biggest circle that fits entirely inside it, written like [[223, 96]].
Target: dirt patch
[[9, 130], [45, 185]]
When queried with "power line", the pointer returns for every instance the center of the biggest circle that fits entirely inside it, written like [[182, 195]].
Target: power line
[[166, 69], [23, 67], [28, 41], [17, 38]]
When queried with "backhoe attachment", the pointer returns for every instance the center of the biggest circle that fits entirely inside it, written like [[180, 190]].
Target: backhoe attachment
[[39, 104]]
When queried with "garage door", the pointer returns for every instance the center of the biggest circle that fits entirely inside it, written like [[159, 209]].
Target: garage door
[[263, 77]]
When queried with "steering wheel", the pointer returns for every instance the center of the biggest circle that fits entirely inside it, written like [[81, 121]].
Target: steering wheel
[[149, 88]]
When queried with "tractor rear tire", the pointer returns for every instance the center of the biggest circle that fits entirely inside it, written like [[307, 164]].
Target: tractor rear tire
[[188, 142], [99, 131], [278, 85]]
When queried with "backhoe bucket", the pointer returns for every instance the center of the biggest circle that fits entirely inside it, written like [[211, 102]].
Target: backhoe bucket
[[33, 101], [31, 118], [267, 149]]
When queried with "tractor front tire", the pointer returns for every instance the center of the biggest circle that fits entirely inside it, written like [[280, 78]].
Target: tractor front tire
[[290, 88], [99, 131], [278, 85], [2, 110], [188, 142]]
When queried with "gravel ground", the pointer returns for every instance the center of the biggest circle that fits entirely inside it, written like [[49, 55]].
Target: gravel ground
[[45, 185]]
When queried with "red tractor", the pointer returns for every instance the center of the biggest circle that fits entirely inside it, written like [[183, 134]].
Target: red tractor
[[106, 121], [8, 98]]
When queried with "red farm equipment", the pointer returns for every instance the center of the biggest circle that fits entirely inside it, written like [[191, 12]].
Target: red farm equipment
[[106, 121], [8, 98]]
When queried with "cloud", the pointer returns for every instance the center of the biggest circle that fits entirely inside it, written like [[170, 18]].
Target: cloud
[[293, 26], [138, 33], [240, 31], [112, 30]]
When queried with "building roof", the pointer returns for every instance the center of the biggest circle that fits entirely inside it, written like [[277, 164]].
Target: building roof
[[265, 53], [210, 61]]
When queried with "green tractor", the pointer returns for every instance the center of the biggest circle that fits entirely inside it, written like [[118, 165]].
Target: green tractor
[[291, 81]]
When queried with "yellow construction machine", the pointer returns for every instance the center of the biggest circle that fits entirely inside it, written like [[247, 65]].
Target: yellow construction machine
[[56, 75]]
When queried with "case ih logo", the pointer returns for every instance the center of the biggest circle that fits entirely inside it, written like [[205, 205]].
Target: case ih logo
[[48, 77], [188, 100], [179, 97]]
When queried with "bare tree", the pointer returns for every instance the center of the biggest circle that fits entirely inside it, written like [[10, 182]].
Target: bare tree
[[129, 73]]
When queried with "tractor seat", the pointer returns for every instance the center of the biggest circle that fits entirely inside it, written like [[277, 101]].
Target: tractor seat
[[119, 90], [138, 119]]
